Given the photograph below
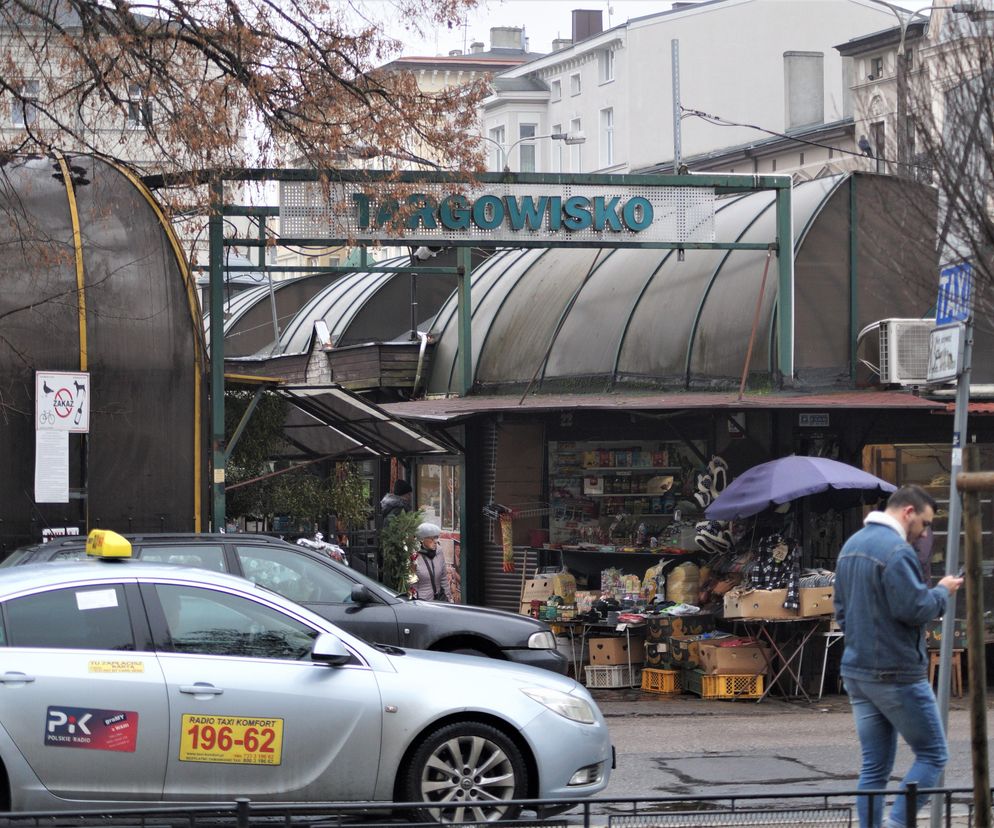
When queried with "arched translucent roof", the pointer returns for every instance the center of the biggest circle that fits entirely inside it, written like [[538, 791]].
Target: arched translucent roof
[[357, 307], [94, 280], [577, 319]]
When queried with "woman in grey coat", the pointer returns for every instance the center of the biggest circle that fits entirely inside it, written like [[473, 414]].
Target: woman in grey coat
[[430, 567]]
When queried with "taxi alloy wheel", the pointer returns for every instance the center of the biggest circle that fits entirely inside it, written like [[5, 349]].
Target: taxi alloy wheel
[[470, 765]]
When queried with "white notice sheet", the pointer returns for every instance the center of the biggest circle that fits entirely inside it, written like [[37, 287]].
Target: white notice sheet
[[51, 467]]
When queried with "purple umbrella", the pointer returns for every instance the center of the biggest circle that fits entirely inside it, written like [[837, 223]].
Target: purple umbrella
[[779, 481]]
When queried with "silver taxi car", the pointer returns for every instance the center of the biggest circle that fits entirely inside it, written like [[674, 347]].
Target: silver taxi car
[[131, 682]]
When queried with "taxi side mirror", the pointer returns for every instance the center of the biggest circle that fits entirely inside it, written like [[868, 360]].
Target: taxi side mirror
[[329, 649]]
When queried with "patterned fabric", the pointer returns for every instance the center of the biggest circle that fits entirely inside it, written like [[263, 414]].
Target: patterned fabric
[[817, 578], [777, 564]]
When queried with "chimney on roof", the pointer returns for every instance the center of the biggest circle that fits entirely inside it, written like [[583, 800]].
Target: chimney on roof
[[561, 43], [476, 47], [586, 23], [507, 37]]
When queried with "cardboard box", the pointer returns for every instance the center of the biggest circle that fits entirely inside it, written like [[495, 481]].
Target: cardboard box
[[817, 601], [657, 654], [718, 658], [662, 627], [758, 603], [614, 651], [685, 649], [537, 589]]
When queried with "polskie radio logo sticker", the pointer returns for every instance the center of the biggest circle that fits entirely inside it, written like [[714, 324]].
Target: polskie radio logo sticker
[[81, 727]]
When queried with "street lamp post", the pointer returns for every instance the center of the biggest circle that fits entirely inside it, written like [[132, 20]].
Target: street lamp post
[[571, 138]]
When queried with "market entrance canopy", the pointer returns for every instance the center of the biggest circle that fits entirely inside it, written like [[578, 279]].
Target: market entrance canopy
[[788, 478], [328, 420]]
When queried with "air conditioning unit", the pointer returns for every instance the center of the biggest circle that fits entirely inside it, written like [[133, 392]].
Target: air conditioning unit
[[904, 351]]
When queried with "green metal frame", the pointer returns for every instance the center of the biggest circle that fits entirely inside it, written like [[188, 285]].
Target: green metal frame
[[722, 185]]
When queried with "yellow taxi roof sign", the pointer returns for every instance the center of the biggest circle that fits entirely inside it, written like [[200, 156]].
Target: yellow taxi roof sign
[[102, 543]]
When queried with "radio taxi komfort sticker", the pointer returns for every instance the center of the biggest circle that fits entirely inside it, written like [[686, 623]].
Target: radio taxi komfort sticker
[[83, 727], [233, 740]]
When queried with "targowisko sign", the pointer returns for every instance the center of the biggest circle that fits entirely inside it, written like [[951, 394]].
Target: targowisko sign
[[500, 213]]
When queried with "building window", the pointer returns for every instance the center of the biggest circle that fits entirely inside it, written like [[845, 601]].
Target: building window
[[773, 165], [556, 90], [878, 137], [909, 59], [526, 149], [24, 112], [575, 159], [574, 83], [139, 108], [607, 137], [607, 65], [438, 494], [497, 159], [876, 68], [800, 163], [557, 149]]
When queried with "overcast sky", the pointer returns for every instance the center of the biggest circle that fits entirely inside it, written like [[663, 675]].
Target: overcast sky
[[544, 20]]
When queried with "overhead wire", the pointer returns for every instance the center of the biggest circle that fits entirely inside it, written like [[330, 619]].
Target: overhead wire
[[717, 120]]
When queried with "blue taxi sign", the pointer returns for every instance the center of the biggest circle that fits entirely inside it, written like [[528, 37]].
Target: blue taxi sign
[[955, 294]]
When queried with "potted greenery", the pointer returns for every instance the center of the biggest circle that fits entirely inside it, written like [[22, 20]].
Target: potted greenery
[[398, 540]]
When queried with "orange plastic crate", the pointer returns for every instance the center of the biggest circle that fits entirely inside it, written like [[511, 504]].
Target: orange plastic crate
[[661, 681]]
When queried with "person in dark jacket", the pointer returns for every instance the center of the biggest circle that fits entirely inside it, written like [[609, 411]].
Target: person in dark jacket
[[882, 603], [397, 501]]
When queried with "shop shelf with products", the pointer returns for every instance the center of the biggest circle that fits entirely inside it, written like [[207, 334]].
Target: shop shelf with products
[[601, 491]]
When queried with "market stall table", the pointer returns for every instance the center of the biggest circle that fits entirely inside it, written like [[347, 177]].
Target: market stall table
[[786, 638], [581, 631]]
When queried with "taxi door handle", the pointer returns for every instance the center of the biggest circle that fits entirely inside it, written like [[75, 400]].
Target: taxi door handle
[[15, 678], [200, 689]]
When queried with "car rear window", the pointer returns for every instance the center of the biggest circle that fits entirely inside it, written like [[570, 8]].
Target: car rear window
[[202, 556], [77, 618]]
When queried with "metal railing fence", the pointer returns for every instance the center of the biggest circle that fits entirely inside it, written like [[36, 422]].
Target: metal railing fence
[[769, 808]]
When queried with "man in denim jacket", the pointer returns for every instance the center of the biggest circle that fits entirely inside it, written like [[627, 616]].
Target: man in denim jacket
[[882, 603]]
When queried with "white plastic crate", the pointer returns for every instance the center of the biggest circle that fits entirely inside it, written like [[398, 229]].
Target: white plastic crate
[[620, 675]]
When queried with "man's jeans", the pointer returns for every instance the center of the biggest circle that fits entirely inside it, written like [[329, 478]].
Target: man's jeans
[[882, 711]]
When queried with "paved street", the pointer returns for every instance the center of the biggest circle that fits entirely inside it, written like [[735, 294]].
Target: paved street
[[684, 746]]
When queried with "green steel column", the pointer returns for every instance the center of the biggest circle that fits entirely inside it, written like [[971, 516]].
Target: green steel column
[[465, 588], [216, 260], [853, 276], [785, 292], [465, 320]]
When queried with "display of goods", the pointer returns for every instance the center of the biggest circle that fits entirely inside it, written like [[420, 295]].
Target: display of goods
[[661, 627], [507, 542], [722, 686], [620, 675], [612, 582], [683, 583], [653, 582], [661, 681]]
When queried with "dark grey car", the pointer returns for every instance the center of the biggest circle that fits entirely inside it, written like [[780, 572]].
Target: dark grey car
[[351, 600]]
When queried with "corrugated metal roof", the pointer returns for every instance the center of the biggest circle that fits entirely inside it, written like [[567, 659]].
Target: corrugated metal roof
[[441, 410]]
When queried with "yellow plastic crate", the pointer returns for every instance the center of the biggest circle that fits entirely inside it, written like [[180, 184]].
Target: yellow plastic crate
[[723, 686], [661, 681]]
